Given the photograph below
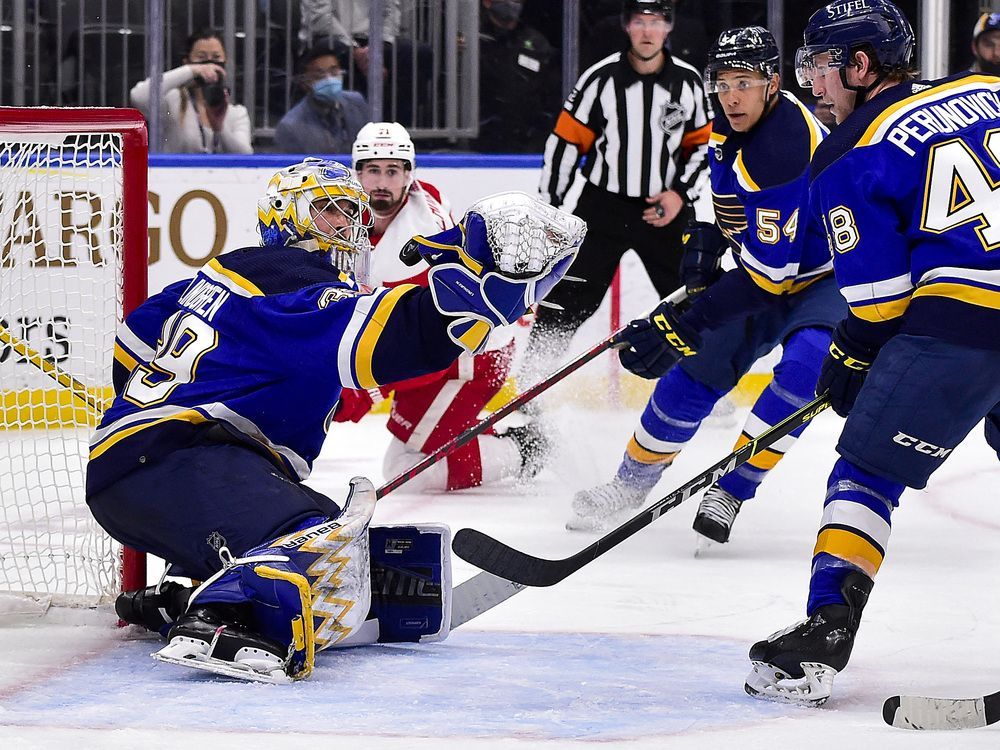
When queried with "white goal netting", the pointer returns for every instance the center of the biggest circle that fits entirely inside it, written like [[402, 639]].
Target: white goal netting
[[61, 290]]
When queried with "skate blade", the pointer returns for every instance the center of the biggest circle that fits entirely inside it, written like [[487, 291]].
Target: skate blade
[[703, 545], [192, 659], [811, 690]]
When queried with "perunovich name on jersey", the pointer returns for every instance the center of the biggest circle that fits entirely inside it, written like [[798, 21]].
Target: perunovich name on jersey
[[945, 117]]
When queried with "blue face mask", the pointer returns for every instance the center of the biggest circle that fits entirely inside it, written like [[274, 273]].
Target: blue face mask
[[328, 89]]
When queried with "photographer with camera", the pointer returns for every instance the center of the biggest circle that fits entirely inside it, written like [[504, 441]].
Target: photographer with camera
[[196, 113]]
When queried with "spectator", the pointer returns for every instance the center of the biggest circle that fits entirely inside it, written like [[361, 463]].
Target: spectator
[[343, 25], [197, 115], [986, 44], [327, 119], [518, 81]]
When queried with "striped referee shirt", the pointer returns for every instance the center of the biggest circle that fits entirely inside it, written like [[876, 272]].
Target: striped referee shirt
[[639, 134]]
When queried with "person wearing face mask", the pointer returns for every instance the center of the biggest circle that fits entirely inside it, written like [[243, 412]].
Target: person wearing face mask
[[197, 114], [986, 45], [519, 69], [328, 118]]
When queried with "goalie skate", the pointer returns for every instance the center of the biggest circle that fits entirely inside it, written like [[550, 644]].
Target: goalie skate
[[202, 640], [813, 688], [605, 506]]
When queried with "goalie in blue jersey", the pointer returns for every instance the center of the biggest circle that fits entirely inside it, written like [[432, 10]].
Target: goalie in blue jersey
[[781, 292], [907, 190], [226, 385]]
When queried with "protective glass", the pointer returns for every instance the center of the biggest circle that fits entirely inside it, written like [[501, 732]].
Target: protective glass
[[816, 61]]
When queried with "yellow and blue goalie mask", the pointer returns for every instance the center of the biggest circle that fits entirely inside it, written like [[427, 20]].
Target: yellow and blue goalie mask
[[319, 205]]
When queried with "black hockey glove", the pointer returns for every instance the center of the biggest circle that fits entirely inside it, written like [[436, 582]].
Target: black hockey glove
[[704, 247], [653, 345], [844, 371]]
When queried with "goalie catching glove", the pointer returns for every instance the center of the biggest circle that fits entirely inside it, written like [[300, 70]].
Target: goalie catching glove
[[651, 346], [506, 254]]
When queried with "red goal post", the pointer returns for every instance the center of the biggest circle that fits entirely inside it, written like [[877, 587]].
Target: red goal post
[[73, 256]]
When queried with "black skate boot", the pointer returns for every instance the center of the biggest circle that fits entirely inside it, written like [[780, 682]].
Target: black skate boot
[[153, 609], [797, 665], [215, 638], [716, 514], [535, 446]]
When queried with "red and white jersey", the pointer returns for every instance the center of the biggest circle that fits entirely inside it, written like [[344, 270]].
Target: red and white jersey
[[424, 212]]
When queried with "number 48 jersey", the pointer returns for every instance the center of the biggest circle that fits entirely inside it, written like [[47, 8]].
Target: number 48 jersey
[[908, 190]]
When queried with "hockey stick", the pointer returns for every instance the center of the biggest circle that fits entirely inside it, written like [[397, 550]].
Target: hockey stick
[[522, 398], [59, 375], [496, 557], [914, 712]]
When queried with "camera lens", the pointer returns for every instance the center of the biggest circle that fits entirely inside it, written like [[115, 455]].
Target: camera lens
[[214, 93]]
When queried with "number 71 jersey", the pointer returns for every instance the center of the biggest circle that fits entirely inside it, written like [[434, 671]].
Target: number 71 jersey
[[908, 191]]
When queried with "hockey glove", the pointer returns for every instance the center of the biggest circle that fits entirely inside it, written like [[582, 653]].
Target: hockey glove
[[704, 247], [844, 371], [655, 344], [355, 403]]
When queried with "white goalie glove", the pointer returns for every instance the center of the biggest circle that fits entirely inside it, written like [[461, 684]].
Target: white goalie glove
[[506, 254]]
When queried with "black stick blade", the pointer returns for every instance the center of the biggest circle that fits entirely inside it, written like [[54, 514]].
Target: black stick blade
[[497, 558]]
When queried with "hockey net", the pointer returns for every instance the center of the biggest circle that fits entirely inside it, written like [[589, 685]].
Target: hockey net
[[72, 264]]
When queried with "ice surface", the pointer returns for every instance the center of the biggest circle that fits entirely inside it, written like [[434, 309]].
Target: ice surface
[[646, 647]]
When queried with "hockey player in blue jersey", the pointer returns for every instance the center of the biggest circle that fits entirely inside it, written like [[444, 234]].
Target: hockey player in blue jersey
[[226, 386], [907, 190], [781, 292]]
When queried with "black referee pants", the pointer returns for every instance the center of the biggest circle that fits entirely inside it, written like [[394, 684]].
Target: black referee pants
[[614, 225]]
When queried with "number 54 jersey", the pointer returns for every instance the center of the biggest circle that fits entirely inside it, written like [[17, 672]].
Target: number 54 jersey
[[908, 191]]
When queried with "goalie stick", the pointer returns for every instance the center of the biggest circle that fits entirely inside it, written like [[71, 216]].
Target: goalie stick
[[914, 712], [506, 562], [522, 398]]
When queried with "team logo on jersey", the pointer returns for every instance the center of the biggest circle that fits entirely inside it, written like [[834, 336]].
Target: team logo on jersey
[[671, 115]]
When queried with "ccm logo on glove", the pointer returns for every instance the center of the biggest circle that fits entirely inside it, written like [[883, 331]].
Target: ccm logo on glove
[[661, 322]]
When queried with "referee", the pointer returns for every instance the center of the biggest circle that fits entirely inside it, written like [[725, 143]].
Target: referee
[[640, 120]]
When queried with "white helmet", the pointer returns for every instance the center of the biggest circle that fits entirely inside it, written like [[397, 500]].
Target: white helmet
[[383, 140]]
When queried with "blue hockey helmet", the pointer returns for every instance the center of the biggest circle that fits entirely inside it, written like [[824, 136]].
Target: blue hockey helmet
[[845, 26], [746, 48]]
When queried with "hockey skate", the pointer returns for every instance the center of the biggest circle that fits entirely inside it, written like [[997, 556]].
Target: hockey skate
[[154, 607], [213, 639], [798, 664], [715, 517], [534, 444], [605, 506]]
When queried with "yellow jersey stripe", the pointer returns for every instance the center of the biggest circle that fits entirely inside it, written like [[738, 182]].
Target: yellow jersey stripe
[[240, 281], [972, 295], [372, 331], [881, 310], [476, 335], [125, 358], [936, 91], [190, 415], [744, 176]]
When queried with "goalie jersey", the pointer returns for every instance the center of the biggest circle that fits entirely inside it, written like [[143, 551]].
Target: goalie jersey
[[301, 329], [908, 190], [759, 184]]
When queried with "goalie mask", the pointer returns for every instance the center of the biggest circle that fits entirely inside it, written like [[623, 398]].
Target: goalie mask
[[319, 206]]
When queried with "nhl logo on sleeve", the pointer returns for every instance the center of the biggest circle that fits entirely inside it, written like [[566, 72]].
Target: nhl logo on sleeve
[[671, 115]]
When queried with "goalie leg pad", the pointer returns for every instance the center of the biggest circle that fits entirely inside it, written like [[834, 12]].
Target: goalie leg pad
[[304, 591], [411, 585]]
